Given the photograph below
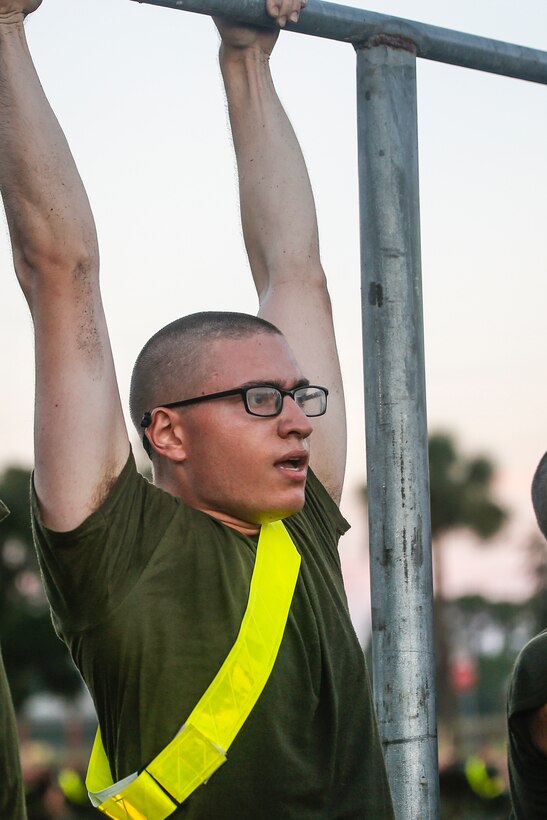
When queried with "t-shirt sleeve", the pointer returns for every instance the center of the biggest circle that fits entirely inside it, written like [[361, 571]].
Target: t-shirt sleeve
[[321, 518], [322, 506], [88, 571]]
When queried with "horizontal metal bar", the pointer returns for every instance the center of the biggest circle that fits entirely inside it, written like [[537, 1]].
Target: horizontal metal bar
[[356, 26]]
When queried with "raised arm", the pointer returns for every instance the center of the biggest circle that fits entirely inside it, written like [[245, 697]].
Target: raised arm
[[280, 227], [80, 437]]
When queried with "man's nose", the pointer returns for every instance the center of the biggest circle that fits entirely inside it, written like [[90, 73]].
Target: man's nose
[[292, 419]]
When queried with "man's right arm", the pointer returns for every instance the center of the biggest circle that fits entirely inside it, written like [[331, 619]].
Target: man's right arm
[[81, 442], [280, 227]]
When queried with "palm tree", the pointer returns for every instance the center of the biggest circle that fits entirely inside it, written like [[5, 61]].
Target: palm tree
[[461, 499]]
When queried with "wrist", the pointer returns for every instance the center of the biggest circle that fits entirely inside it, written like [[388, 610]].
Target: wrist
[[249, 57]]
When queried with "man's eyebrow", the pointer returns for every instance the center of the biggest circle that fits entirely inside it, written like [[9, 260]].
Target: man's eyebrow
[[275, 383]]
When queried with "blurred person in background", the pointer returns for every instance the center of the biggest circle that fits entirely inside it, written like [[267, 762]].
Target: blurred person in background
[[53, 791], [12, 799], [527, 702]]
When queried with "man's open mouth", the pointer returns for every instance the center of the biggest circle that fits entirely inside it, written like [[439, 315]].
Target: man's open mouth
[[293, 463]]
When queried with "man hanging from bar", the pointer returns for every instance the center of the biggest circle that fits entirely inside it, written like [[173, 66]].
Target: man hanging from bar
[[188, 603]]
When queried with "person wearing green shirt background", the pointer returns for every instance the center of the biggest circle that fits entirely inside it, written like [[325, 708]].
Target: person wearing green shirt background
[[527, 702], [12, 795]]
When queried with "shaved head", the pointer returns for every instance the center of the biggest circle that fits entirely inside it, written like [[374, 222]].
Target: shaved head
[[172, 364], [539, 494]]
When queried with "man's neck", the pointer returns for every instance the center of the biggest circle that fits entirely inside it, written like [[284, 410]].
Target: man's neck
[[244, 527]]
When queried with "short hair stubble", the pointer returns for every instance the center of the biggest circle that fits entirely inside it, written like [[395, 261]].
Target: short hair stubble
[[172, 364]]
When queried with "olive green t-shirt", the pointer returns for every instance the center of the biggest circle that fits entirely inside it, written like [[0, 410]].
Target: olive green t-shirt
[[12, 797], [527, 765], [149, 595]]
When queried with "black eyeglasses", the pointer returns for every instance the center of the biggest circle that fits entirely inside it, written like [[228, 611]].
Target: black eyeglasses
[[262, 400]]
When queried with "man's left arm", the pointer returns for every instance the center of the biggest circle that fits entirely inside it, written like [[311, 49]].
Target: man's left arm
[[280, 227]]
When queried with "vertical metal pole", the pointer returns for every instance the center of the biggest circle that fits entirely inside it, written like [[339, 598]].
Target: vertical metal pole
[[396, 426]]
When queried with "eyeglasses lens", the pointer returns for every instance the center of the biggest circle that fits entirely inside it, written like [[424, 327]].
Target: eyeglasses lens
[[264, 401], [311, 400]]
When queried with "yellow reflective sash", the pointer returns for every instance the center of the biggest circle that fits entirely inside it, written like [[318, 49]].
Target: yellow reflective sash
[[200, 746]]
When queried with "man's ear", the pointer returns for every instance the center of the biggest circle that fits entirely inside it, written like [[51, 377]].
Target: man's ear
[[166, 434]]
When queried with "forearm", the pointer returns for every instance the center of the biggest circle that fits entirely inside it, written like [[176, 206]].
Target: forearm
[[280, 230], [277, 207], [50, 221]]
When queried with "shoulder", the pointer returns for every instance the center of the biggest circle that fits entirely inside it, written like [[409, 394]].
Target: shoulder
[[87, 571], [320, 502], [320, 520], [127, 496]]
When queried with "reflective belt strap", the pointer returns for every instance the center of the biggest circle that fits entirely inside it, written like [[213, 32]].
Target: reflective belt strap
[[200, 747]]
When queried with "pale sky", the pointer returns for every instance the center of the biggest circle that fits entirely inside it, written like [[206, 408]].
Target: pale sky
[[137, 89]]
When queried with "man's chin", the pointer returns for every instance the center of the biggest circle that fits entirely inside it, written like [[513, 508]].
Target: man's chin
[[284, 512]]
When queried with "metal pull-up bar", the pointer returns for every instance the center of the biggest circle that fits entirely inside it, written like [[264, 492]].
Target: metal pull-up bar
[[356, 26], [393, 349]]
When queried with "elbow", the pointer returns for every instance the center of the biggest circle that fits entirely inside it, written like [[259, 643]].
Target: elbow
[[55, 272]]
